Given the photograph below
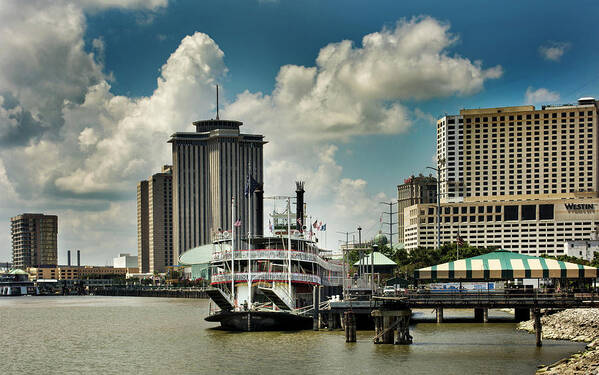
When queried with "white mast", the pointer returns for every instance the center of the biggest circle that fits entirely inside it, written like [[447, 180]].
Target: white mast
[[233, 248], [249, 197], [289, 244]]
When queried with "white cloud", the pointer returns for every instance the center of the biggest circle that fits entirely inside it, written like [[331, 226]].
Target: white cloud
[[553, 51], [123, 4], [541, 95], [83, 148]]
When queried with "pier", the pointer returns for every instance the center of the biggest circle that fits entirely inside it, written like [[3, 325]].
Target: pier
[[391, 314], [150, 292]]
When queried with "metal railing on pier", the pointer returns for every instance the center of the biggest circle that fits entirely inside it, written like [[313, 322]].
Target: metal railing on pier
[[492, 299]]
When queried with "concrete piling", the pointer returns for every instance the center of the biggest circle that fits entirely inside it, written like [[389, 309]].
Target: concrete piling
[[439, 311], [350, 326], [538, 327], [392, 327]]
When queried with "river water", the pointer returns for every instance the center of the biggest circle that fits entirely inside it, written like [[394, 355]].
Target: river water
[[131, 335]]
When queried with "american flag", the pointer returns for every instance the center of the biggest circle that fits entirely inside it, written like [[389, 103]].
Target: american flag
[[459, 240]]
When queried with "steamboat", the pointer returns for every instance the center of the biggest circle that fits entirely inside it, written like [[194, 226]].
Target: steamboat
[[271, 282]]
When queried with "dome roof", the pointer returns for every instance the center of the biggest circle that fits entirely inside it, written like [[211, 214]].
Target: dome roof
[[380, 239]]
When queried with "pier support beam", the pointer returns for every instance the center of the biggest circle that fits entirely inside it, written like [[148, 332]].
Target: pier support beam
[[538, 326], [439, 311], [350, 326], [521, 314], [392, 327], [478, 315], [485, 315], [332, 321]]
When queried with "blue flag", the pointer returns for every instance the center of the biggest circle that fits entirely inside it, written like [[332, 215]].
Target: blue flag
[[250, 185]]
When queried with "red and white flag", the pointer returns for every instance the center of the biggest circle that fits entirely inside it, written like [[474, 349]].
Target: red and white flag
[[237, 223]]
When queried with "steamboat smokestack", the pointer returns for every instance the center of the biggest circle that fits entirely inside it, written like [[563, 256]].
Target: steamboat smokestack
[[78, 258], [68, 257], [299, 191], [260, 210]]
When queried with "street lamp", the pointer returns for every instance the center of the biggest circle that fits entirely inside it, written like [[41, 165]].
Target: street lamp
[[344, 260], [440, 163], [361, 270], [374, 248]]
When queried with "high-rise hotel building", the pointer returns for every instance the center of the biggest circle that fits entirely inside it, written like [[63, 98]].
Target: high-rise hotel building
[[519, 178], [34, 240], [210, 166], [155, 250]]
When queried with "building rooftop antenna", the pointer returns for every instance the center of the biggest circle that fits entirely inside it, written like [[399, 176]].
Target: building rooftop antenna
[[217, 102]]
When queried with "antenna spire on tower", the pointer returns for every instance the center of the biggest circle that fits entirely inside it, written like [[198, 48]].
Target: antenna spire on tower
[[217, 102]]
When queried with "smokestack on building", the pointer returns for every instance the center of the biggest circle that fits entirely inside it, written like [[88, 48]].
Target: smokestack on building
[[260, 210], [299, 191], [78, 258], [68, 257]]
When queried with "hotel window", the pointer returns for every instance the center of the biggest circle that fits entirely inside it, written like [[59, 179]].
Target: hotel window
[[511, 213]]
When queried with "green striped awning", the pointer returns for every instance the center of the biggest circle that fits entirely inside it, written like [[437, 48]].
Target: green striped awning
[[505, 265]]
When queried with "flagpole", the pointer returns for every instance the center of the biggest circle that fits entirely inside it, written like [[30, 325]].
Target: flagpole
[[289, 244], [249, 235], [457, 244], [233, 249]]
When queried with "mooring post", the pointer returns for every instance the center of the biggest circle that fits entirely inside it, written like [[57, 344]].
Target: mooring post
[[439, 314], [350, 326], [478, 315], [538, 327], [486, 315]]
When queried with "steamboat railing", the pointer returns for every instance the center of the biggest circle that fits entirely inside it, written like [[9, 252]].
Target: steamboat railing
[[277, 255], [267, 276]]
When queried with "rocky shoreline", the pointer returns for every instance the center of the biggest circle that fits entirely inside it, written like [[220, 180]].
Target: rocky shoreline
[[576, 325]]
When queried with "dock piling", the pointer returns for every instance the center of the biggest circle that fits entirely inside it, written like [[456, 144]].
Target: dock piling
[[439, 311], [392, 327], [350, 326], [538, 327]]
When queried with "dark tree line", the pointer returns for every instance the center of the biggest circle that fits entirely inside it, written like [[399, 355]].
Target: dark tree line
[[424, 257]]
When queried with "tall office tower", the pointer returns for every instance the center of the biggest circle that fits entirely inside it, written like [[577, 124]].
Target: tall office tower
[[414, 190], [155, 222], [160, 224], [210, 166], [143, 234], [519, 178], [34, 240]]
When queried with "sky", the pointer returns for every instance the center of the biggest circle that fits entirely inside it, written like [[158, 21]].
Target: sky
[[347, 94]]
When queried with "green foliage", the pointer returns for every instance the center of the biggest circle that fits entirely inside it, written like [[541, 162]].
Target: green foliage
[[424, 257], [595, 261], [566, 258]]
